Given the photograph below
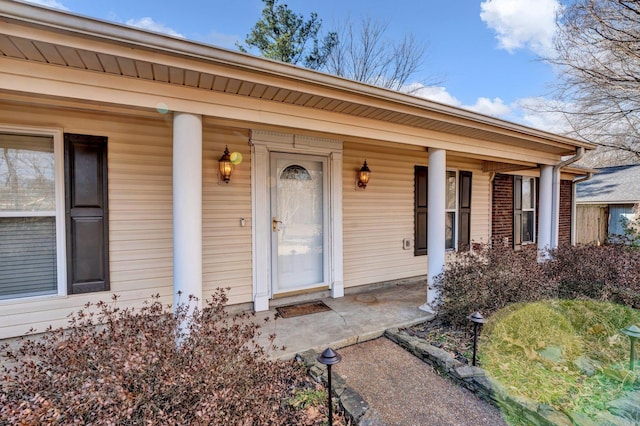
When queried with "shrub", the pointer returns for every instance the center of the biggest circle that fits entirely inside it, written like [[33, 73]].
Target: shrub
[[117, 366], [604, 273], [488, 279]]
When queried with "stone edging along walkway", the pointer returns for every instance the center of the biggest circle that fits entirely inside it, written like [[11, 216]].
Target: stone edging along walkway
[[475, 379], [352, 403]]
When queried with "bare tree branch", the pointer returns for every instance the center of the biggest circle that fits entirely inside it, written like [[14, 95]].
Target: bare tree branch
[[365, 54], [598, 54]]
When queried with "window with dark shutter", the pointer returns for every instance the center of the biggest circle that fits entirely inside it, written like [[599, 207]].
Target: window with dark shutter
[[420, 210], [457, 210], [86, 213], [517, 212], [464, 211], [524, 210], [28, 246]]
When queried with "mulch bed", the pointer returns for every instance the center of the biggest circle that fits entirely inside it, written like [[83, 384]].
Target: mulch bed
[[458, 342]]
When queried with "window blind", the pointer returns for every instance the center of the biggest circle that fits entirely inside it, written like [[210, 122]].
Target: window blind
[[27, 256]]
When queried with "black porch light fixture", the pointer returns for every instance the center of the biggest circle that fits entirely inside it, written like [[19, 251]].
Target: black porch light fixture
[[634, 333], [363, 175], [477, 319], [329, 357], [225, 165]]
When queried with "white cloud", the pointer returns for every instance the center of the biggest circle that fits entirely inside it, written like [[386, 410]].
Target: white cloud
[[542, 113], [522, 23], [148, 23], [222, 40], [494, 107], [537, 112], [50, 3], [433, 93]]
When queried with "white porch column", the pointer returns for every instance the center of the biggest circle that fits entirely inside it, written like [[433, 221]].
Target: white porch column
[[436, 199], [545, 210], [187, 207], [555, 209]]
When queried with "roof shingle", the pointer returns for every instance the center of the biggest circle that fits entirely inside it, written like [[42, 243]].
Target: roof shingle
[[611, 185]]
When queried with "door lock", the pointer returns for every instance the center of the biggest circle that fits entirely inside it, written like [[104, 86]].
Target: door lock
[[275, 223]]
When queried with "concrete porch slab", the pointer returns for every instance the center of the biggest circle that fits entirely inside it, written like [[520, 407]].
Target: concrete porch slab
[[352, 319]]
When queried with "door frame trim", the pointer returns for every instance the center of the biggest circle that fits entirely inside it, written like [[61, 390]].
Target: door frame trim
[[262, 144]]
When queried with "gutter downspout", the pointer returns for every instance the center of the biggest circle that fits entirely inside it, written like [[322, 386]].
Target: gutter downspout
[[555, 206], [574, 185]]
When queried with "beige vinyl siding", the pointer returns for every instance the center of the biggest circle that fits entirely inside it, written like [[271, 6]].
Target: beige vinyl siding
[[226, 245], [140, 206], [377, 219], [140, 168], [140, 212]]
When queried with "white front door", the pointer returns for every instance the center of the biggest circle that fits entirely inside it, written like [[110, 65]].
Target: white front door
[[299, 222]]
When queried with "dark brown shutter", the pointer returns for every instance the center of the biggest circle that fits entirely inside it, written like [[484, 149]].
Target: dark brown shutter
[[86, 213], [421, 211], [464, 210], [517, 212]]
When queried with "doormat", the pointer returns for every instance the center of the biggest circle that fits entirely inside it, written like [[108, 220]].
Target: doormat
[[290, 311]]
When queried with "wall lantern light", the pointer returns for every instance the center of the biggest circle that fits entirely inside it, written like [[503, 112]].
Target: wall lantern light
[[363, 175], [226, 166]]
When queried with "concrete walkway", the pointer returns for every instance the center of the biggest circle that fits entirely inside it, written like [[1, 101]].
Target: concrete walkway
[[403, 390], [352, 319]]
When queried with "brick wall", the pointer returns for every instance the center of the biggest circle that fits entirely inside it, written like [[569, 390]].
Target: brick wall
[[502, 210], [564, 228]]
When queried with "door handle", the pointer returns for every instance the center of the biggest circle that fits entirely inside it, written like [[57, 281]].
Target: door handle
[[274, 224]]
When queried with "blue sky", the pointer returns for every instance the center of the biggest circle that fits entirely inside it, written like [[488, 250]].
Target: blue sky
[[484, 53]]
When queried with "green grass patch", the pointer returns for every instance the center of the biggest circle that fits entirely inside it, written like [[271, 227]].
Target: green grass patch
[[304, 398], [569, 354]]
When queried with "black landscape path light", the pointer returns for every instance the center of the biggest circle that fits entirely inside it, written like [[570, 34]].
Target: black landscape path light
[[477, 319], [634, 333], [328, 358]]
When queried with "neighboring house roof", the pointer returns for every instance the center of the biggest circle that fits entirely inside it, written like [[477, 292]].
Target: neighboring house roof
[[611, 185], [103, 48]]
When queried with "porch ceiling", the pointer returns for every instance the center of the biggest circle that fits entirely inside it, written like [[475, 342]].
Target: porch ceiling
[[211, 69]]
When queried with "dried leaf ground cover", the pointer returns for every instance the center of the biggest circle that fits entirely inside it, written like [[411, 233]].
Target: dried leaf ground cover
[[457, 340], [119, 366]]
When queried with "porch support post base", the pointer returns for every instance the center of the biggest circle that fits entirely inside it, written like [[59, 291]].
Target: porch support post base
[[337, 290], [427, 308], [261, 303]]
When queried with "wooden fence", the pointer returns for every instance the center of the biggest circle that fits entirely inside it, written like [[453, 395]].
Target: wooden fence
[[591, 224]]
